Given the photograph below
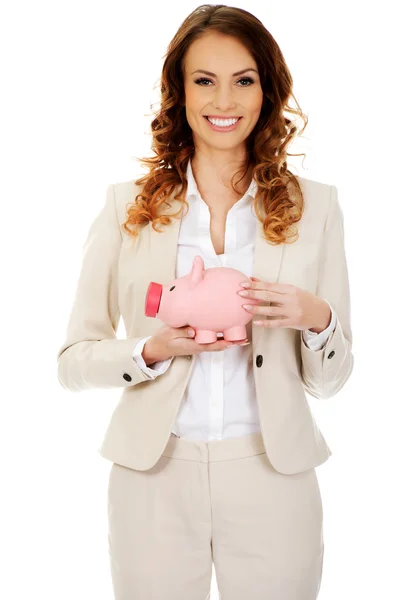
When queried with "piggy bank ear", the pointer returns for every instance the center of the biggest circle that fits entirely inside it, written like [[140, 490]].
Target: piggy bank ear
[[196, 274]]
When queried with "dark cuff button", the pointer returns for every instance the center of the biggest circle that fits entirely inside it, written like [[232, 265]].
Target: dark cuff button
[[127, 377], [331, 354], [259, 360]]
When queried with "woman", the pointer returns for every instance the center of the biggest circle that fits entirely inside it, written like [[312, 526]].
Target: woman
[[214, 450]]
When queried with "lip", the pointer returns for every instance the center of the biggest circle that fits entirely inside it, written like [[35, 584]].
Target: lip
[[219, 117], [223, 128]]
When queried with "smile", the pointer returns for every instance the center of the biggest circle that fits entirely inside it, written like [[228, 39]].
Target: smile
[[223, 124]]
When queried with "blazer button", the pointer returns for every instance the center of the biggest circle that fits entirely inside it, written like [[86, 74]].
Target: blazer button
[[331, 354], [127, 377], [259, 360]]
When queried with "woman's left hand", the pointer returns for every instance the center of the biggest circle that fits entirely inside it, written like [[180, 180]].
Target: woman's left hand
[[296, 307]]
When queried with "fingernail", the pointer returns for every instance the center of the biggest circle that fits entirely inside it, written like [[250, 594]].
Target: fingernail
[[245, 284], [190, 332]]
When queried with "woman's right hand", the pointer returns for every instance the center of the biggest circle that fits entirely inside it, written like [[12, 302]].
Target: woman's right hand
[[176, 341]]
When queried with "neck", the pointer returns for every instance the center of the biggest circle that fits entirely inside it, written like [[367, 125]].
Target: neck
[[214, 179]]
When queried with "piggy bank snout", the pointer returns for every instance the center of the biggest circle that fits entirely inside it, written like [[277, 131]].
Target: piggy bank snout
[[153, 299]]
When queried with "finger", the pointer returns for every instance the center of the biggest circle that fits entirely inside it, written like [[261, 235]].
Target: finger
[[189, 332], [268, 311], [263, 293], [223, 344], [275, 323], [275, 289], [209, 346]]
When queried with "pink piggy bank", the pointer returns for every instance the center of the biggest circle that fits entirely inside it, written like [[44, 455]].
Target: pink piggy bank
[[205, 299]]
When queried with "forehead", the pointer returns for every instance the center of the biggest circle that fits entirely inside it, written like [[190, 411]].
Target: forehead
[[218, 53]]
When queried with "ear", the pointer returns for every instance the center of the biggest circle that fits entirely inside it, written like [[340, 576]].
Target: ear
[[196, 274]]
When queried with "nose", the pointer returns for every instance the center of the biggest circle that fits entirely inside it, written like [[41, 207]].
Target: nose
[[223, 99], [153, 299]]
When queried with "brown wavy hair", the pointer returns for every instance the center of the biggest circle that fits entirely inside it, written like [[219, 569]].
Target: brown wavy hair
[[266, 146]]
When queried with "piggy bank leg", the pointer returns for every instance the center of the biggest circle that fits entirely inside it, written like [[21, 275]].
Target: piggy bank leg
[[235, 334], [204, 336]]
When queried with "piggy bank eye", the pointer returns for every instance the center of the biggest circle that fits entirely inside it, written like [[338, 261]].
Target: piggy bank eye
[[170, 289]]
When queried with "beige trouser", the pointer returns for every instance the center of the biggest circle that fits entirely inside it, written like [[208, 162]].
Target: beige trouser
[[215, 502]]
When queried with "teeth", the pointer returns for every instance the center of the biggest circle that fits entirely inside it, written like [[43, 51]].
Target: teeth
[[222, 122]]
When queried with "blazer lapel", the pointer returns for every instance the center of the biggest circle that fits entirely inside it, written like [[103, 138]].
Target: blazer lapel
[[266, 266], [163, 256]]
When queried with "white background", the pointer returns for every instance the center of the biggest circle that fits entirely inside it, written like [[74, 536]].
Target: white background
[[77, 81]]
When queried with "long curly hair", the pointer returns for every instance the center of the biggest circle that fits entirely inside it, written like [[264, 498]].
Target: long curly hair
[[266, 146]]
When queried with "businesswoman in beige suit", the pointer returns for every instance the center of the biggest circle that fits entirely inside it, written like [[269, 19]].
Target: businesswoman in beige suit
[[214, 447]]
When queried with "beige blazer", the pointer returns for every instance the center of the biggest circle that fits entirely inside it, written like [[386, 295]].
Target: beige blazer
[[113, 283]]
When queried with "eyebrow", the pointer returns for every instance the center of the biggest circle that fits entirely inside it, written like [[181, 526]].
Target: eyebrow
[[214, 75]]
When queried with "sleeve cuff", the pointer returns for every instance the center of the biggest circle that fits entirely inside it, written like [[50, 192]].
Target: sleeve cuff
[[157, 368], [316, 341]]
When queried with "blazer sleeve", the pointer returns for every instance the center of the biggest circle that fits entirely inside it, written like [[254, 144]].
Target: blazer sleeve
[[91, 355], [325, 371]]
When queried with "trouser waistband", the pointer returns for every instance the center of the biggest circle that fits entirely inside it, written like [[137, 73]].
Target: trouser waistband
[[215, 450]]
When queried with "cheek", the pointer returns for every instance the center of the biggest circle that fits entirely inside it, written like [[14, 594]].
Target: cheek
[[193, 98], [255, 103], [257, 110]]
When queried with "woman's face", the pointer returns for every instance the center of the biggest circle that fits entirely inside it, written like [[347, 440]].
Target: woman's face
[[222, 94]]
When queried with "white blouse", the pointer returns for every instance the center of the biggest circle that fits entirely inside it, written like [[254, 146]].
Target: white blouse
[[220, 398]]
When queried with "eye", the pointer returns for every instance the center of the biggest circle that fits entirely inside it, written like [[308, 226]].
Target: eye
[[248, 79], [170, 289]]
